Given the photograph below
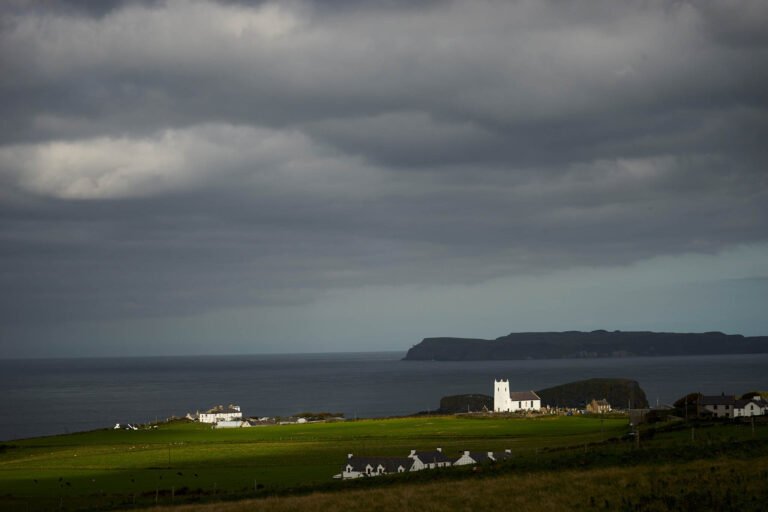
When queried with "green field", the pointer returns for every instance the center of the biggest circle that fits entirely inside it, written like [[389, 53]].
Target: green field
[[186, 462], [109, 467]]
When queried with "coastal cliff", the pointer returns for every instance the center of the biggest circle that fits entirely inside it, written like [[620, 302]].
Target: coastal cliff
[[577, 344]]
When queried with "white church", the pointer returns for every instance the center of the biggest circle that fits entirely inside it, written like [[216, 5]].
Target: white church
[[506, 401]]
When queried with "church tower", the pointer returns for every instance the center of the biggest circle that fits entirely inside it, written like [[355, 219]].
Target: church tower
[[501, 401]]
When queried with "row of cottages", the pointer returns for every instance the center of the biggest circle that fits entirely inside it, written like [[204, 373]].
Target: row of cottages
[[417, 460], [727, 406], [506, 401], [220, 413]]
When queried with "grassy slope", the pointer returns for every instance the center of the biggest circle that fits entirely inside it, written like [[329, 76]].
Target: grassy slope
[[109, 467], [716, 484]]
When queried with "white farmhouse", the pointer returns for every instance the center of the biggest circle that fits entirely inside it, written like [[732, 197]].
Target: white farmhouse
[[506, 401], [719, 406], [727, 406], [750, 407], [221, 413]]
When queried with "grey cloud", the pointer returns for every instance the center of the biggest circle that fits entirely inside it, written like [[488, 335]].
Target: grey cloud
[[739, 23], [89, 8], [169, 158], [505, 76], [220, 248]]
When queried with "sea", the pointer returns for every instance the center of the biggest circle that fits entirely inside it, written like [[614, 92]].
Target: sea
[[54, 396]]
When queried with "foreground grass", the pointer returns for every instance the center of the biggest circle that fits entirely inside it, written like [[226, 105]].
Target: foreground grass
[[187, 461], [719, 484]]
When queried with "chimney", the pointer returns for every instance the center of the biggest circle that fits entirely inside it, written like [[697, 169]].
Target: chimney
[[413, 452], [466, 452], [490, 456], [349, 456], [440, 450], [508, 451]]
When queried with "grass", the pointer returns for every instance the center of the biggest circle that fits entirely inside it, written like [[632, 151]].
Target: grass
[[109, 467], [720, 484], [187, 462]]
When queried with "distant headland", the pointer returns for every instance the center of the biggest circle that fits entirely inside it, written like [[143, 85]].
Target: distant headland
[[577, 344]]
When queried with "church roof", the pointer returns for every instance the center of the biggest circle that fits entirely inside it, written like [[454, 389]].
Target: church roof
[[523, 395]]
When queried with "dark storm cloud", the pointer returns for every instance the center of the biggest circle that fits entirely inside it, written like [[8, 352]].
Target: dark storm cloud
[[162, 158], [89, 8]]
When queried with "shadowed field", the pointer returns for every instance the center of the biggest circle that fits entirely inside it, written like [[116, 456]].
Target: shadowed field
[[719, 484]]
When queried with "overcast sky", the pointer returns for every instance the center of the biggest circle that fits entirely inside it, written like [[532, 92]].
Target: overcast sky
[[201, 177]]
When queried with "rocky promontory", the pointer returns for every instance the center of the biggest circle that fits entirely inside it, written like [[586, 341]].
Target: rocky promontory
[[577, 344], [620, 393]]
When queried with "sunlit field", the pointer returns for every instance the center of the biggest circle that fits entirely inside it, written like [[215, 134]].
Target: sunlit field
[[185, 462]]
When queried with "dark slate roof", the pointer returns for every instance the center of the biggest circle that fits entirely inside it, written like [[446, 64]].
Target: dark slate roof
[[431, 457], [390, 464], [743, 403], [717, 400], [523, 395], [480, 457]]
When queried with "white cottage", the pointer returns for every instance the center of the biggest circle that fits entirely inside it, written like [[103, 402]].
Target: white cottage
[[512, 401], [750, 407], [220, 413]]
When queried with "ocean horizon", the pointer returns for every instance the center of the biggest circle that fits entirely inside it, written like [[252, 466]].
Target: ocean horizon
[[49, 396]]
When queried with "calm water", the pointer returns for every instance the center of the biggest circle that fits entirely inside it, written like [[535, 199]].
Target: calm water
[[66, 395]]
